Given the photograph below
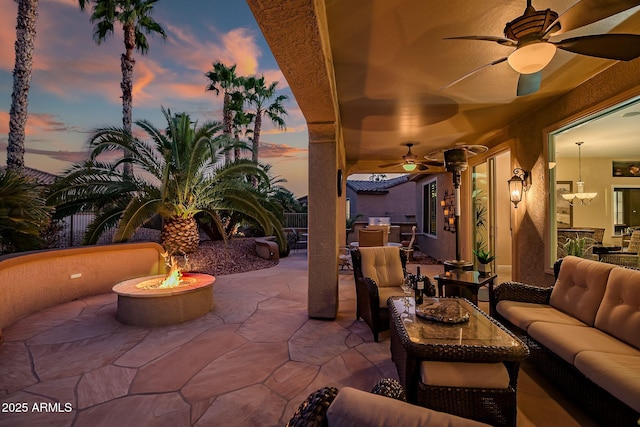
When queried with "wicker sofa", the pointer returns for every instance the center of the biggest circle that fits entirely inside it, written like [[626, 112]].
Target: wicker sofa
[[583, 334], [383, 407]]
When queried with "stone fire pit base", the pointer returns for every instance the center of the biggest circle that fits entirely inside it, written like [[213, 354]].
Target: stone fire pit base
[[161, 307]]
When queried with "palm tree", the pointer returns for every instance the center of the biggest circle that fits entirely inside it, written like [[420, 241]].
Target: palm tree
[[25, 42], [177, 177], [240, 123], [223, 78], [135, 18], [260, 99], [23, 214]]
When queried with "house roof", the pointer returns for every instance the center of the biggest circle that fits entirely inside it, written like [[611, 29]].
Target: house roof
[[41, 177], [376, 186]]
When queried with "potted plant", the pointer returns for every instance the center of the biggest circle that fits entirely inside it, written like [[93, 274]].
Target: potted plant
[[579, 246], [484, 258]]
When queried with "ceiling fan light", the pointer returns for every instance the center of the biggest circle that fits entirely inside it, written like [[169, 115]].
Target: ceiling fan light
[[409, 167], [532, 58]]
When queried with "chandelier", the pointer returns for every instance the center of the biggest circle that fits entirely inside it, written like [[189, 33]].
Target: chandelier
[[580, 197]]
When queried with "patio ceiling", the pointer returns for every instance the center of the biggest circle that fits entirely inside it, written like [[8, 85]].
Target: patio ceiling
[[390, 60]]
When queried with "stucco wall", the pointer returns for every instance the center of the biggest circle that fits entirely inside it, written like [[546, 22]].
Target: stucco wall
[[443, 246], [397, 203]]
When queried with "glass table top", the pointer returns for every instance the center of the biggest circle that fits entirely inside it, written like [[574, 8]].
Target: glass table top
[[478, 330]]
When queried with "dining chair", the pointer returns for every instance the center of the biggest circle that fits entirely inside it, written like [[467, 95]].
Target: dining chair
[[367, 238]]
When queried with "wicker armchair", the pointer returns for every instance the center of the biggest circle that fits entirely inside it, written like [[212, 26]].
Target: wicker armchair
[[313, 411], [376, 282], [355, 407], [623, 259], [629, 258]]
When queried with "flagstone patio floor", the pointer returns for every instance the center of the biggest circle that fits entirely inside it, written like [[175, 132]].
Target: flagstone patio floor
[[249, 362]]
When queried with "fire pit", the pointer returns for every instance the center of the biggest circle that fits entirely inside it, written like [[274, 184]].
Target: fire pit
[[146, 302]]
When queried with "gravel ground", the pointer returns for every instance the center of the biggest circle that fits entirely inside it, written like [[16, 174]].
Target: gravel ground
[[238, 256], [213, 257]]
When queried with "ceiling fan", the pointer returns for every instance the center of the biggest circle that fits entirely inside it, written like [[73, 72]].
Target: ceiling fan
[[469, 151], [410, 161], [530, 34]]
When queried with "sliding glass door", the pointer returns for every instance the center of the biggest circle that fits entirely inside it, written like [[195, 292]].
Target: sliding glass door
[[491, 210]]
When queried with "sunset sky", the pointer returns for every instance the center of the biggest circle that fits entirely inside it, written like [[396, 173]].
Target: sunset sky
[[75, 84]]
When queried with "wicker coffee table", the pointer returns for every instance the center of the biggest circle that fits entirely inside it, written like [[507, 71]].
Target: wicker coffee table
[[476, 339]]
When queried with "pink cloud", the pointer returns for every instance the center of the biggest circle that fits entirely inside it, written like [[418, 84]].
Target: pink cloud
[[39, 125], [61, 155], [8, 35], [270, 150], [4, 123], [241, 45]]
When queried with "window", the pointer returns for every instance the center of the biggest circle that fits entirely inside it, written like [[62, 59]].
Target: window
[[618, 209], [430, 208]]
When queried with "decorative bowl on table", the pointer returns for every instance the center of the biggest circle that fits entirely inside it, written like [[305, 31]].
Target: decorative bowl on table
[[443, 311]]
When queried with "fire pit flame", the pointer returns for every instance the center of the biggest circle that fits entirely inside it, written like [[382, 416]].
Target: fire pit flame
[[174, 279]]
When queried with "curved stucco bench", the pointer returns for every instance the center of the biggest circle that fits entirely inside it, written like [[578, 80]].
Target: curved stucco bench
[[32, 281]]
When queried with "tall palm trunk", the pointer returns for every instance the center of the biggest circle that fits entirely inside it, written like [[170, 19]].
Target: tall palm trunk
[[180, 235], [237, 153], [25, 42], [226, 121], [127, 63], [256, 137]]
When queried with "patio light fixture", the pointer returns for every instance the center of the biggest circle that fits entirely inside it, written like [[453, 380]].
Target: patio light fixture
[[518, 185], [409, 167], [580, 197]]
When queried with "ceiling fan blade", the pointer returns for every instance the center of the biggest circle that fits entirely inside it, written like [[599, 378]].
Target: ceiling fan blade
[[497, 39], [421, 167], [621, 47], [472, 149], [588, 11], [529, 83], [388, 165], [458, 80], [432, 162]]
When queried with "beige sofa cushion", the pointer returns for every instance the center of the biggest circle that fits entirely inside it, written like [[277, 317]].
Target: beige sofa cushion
[[619, 312], [568, 340], [464, 375], [580, 287], [356, 408], [522, 314], [382, 264], [619, 374]]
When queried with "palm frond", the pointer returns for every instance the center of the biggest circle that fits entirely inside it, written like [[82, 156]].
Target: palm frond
[[137, 213]]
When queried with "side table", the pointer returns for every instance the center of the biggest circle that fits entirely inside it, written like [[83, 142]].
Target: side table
[[470, 281]]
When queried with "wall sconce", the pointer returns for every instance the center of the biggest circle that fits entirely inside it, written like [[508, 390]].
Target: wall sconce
[[518, 185], [449, 211]]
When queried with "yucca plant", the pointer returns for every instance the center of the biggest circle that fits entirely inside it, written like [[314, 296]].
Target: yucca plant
[[176, 174]]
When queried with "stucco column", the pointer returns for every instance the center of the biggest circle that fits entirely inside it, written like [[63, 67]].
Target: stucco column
[[323, 236]]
